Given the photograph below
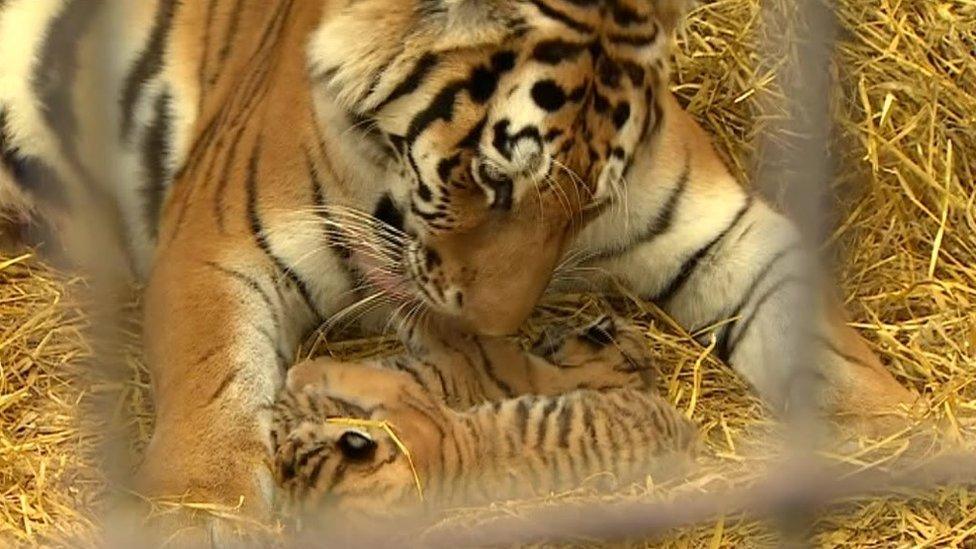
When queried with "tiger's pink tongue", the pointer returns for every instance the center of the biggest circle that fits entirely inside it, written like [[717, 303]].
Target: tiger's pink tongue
[[389, 284]]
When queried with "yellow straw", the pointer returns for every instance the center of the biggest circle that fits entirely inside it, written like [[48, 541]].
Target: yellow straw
[[388, 427]]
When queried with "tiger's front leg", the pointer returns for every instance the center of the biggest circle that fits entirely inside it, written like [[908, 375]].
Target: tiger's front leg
[[222, 323], [722, 262]]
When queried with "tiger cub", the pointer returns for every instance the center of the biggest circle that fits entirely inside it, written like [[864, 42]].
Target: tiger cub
[[481, 420]]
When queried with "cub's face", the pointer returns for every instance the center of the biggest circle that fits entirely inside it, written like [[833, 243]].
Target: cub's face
[[508, 124], [341, 433]]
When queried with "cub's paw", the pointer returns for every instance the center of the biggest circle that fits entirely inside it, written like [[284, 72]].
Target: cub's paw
[[612, 348]]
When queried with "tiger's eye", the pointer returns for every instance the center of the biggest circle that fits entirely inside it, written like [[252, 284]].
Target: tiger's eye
[[356, 446]]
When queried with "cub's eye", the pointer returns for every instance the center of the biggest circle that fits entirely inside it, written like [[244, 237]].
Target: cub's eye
[[601, 333], [356, 446], [498, 186]]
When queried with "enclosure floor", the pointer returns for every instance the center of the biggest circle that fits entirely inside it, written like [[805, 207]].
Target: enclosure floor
[[905, 105]]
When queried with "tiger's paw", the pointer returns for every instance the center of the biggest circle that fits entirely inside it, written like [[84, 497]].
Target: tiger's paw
[[170, 523], [206, 487], [611, 350]]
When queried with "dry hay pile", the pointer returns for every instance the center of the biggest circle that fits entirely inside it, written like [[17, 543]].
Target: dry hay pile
[[906, 114]]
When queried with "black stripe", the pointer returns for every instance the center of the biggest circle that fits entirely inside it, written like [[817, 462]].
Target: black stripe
[[3, 128], [210, 353], [723, 342], [371, 470], [305, 453], [662, 221], [253, 92], [587, 438], [318, 194], [432, 220], [626, 17], [634, 39], [562, 17], [261, 238], [767, 295], [547, 411], [198, 147], [54, 79], [489, 370], [224, 384], [202, 79], [620, 438], [461, 456], [608, 461], [222, 183], [398, 363], [35, 177], [556, 51], [441, 107], [434, 419], [156, 150], [342, 251], [148, 64], [833, 349], [231, 34], [273, 342], [340, 473], [274, 24], [654, 126], [251, 284], [349, 408], [565, 422], [413, 80], [690, 264], [522, 419], [439, 375]]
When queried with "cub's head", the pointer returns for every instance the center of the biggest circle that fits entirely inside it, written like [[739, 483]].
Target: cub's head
[[507, 124], [341, 433]]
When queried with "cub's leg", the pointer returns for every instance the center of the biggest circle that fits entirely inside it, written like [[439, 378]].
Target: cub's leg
[[465, 370], [717, 258], [607, 353]]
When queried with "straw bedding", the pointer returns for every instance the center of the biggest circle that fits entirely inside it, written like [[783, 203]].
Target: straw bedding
[[905, 107]]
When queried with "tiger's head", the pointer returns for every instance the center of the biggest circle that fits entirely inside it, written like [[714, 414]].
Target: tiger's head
[[507, 124]]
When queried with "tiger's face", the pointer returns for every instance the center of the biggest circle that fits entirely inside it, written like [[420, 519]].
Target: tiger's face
[[508, 124]]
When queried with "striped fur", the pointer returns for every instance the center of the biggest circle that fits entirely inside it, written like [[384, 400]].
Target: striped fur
[[590, 416], [268, 164]]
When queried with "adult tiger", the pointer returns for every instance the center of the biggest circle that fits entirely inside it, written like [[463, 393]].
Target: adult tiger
[[487, 136]]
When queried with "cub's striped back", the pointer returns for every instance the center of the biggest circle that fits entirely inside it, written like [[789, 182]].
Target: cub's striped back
[[589, 416]]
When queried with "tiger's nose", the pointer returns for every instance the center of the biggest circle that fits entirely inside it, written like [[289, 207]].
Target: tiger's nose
[[527, 152]]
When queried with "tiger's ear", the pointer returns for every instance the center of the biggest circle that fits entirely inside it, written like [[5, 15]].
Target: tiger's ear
[[356, 44]]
